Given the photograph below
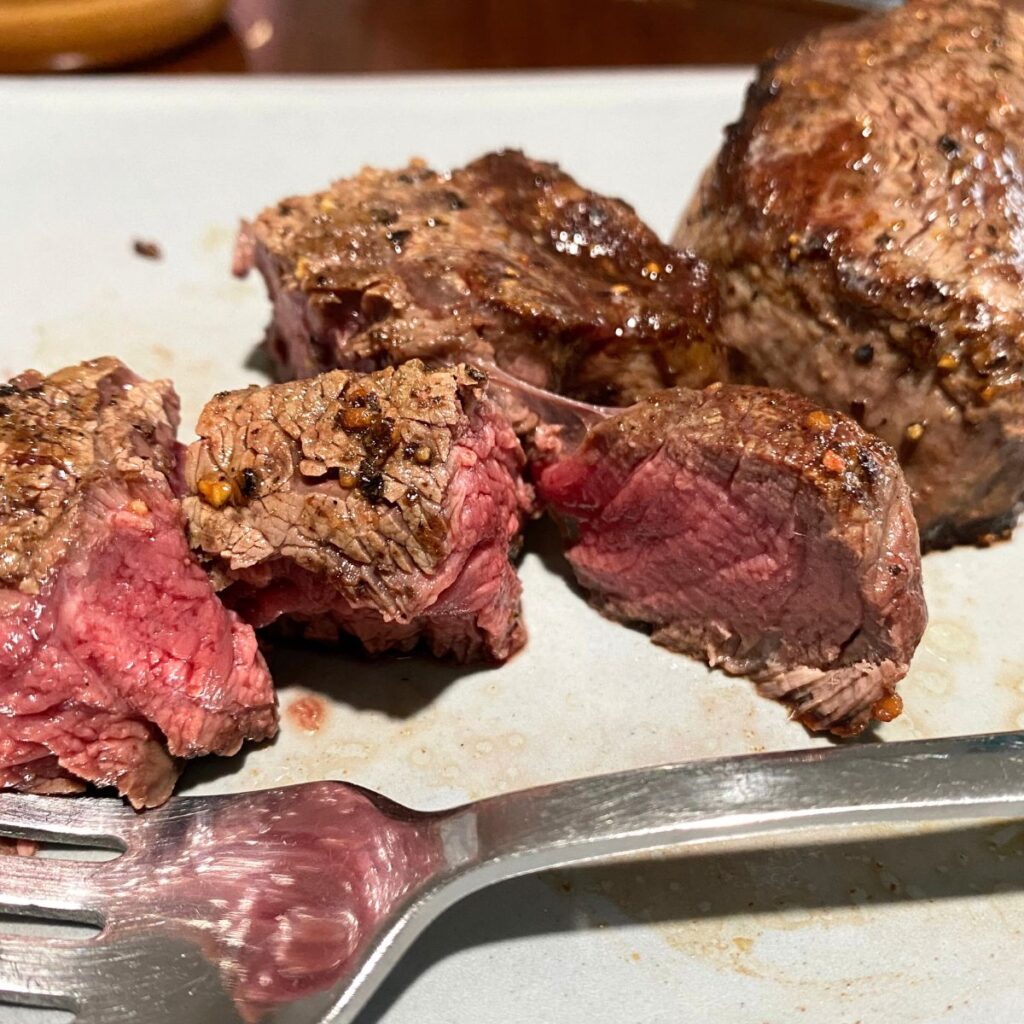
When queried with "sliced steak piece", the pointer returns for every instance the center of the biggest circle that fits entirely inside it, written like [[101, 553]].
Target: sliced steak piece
[[866, 215], [506, 260], [751, 529], [381, 505], [116, 658]]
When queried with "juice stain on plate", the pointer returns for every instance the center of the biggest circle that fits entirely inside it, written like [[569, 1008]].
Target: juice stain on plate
[[951, 641], [308, 713], [741, 909], [1010, 680], [219, 239]]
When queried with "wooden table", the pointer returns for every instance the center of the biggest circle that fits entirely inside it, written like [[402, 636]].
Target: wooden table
[[323, 36]]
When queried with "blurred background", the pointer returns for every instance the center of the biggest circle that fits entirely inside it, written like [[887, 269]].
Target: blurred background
[[339, 36]]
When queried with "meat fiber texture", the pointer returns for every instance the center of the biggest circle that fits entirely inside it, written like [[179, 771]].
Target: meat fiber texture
[[751, 529], [381, 505], [506, 261], [116, 658], [866, 219]]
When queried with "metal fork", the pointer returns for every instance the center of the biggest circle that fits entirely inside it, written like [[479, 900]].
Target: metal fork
[[291, 905]]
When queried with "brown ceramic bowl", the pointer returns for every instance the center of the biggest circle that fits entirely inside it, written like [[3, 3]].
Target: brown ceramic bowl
[[64, 35]]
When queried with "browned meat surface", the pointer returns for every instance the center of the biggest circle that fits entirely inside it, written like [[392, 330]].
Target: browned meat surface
[[116, 658], [382, 505], [507, 260], [866, 215], [751, 529]]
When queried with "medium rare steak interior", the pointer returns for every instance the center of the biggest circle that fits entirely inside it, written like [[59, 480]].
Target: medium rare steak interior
[[506, 260], [382, 505], [866, 217], [116, 658], [751, 529]]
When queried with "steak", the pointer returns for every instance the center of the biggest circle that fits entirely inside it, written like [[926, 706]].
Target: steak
[[381, 505], [866, 216], [116, 658], [507, 260], [751, 529], [744, 526]]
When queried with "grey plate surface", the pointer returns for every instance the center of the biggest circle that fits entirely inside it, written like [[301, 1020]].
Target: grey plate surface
[[891, 926]]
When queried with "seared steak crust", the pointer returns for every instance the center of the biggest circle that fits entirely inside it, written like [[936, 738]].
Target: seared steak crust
[[507, 259], [382, 505], [749, 528], [866, 215], [115, 655], [56, 433]]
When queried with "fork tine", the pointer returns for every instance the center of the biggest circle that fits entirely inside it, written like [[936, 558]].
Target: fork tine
[[135, 978], [61, 888], [40, 971], [65, 819]]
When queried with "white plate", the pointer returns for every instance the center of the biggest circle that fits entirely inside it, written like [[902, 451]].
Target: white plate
[[876, 928]]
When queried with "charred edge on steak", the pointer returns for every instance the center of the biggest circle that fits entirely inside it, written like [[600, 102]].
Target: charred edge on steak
[[506, 260]]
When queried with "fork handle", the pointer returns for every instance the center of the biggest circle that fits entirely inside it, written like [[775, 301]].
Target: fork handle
[[569, 823]]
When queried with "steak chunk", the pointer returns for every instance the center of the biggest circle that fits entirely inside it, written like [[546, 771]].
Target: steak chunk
[[116, 657], [506, 260], [381, 505], [751, 529], [866, 215]]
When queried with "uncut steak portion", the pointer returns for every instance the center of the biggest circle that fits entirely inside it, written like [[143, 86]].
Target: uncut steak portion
[[381, 505], [116, 658], [506, 260], [866, 218], [751, 529]]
